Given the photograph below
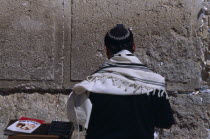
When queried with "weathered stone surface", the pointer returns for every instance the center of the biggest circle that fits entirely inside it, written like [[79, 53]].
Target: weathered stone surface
[[204, 33], [192, 115], [32, 45], [206, 8], [35, 38], [44, 106], [163, 32], [209, 21]]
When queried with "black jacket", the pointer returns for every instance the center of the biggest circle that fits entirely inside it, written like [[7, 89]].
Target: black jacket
[[128, 117]]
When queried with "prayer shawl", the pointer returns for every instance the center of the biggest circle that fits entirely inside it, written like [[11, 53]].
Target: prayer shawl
[[123, 74]]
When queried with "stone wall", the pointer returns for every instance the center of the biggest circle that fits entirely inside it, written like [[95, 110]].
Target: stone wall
[[34, 52], [204, 33], [49, 45], [192, 115]]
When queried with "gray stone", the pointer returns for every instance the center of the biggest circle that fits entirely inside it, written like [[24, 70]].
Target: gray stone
[[192, 115], [31, 39], [37, 39], [206, 8], [209, 21], [208, 63], [67, 45]]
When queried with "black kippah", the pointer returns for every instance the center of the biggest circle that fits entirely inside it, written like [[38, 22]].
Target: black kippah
[[118, 33], [119, 38]]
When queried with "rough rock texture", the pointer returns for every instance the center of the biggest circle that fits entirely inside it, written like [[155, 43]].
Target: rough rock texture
[[46, 106], [192, 115], [204, 33], [163, 32], [32, 46], [47, 44]]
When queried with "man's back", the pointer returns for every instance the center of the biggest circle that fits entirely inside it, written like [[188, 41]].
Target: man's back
[[128, 117], [124, 99]]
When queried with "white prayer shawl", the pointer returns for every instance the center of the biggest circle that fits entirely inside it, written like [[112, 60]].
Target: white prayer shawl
[[123, 74]]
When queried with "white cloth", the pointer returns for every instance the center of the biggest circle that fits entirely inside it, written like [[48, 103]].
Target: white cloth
[[121, 75]]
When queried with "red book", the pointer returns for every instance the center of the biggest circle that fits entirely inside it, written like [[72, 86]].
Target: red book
[[30, 119]]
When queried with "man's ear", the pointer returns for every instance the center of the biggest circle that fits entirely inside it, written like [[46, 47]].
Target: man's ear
[[105, 48], [107, 52], [133, 48]]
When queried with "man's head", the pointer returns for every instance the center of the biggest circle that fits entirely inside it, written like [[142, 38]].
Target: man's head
[[117, 39]]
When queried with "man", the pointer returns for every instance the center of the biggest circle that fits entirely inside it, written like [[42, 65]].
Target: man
[[124, 99]]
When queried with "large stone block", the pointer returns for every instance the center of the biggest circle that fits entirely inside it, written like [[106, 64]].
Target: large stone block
[[32, 43], [192, 115], [163, 33]]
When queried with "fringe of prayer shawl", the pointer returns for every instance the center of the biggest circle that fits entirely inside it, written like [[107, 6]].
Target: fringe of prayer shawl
[[119, 82]]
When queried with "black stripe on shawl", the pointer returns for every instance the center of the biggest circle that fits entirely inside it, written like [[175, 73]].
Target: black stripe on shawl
[[134, 78], [123, 65]]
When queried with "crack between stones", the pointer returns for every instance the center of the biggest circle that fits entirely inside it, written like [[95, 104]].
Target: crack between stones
[[6, 92], [63, 44], [71, 38]]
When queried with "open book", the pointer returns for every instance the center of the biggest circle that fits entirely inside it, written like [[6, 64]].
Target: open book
[[25, 125]]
